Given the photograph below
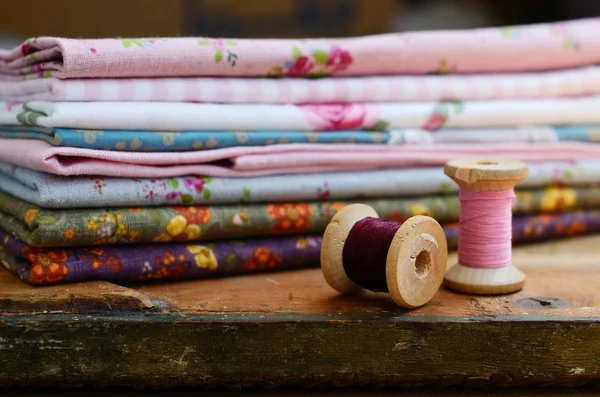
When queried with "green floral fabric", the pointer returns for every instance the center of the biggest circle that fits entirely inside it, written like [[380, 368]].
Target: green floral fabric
[[80, 227]]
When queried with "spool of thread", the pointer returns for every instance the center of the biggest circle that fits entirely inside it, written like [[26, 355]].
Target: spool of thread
[[361, 251], [485, 240]]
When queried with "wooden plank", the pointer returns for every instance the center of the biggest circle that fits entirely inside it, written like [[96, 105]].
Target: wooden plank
[[353, 392], [565, 272], [291, 329]]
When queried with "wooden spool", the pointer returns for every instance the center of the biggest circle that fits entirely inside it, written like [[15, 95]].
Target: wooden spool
[[485, 175], [416, 260]]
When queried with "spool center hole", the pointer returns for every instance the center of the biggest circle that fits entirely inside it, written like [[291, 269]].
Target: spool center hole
[[423, 264], [487, 163]]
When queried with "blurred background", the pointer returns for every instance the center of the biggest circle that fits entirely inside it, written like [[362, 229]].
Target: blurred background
[[269, 18]]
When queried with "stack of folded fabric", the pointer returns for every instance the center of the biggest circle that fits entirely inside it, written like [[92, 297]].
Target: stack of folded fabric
[[145, 159]]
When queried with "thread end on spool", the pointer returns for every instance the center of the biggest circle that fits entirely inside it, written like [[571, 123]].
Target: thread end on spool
[[478, 281], [486, 174], [332, 247], [416, 261]]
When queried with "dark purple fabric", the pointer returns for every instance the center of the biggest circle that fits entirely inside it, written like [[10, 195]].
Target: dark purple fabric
[[157, 261]]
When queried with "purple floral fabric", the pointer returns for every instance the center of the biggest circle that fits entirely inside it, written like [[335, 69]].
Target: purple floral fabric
[[155, 261]]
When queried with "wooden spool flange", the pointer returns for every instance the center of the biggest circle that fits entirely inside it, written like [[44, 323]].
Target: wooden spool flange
[[416, 260], [487, 174]]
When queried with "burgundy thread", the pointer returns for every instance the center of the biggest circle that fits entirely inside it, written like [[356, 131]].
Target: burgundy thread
[[365, 252]]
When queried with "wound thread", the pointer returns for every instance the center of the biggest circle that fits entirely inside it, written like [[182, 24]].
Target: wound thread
[[365, 252], [485, 239]]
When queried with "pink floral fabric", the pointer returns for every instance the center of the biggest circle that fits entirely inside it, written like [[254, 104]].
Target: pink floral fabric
[[339, 116], [507, 49], [315, 63]]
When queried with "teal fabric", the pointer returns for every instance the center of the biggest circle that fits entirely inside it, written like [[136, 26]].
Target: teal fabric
[[168, 141]]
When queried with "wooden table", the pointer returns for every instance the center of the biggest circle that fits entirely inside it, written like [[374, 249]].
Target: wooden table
[[291, 329]]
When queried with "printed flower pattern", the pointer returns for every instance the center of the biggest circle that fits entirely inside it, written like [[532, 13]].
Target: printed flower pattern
[[199, 215], [168, 265], [30, 215], [338, 117], [328, 210], [141, 43], [262, 258], [186, 225], [99, 259], [112, 228], [29, 47], [179, 230], [47, 265], [69, 234], [203, 256], [440, 114], [420, 209], [182, 190], [302, 66], [558, 199], [99, 184], [324, 192], [566, 35], [240, 218], [575, 228], [222, 49], [305, 242], [313, 63], [89, 45], [91, 136], [290, 217], [536, 227]]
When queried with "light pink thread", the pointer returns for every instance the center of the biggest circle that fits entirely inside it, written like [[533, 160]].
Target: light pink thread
[[485, 228]]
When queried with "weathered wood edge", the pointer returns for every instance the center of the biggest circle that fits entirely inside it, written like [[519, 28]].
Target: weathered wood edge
[[153, 317], [93, 296], [164, 350]]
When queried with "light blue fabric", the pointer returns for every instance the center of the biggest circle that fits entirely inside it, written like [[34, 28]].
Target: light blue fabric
[[52, 191], [581, 133], [156, 141]]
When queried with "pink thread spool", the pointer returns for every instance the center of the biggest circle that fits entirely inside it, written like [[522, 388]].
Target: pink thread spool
[[484, 262]]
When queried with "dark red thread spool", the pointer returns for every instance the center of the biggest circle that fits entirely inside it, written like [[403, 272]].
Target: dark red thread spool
[[365, 252], [361, 251]]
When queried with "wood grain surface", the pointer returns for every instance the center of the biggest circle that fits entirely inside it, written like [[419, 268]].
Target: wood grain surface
[[346, 392]]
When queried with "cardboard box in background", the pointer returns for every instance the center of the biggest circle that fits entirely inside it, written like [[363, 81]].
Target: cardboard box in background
[[232, 18], [91, 18]]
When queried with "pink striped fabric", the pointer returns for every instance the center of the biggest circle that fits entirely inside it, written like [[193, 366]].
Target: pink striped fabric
[[564, 83]]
